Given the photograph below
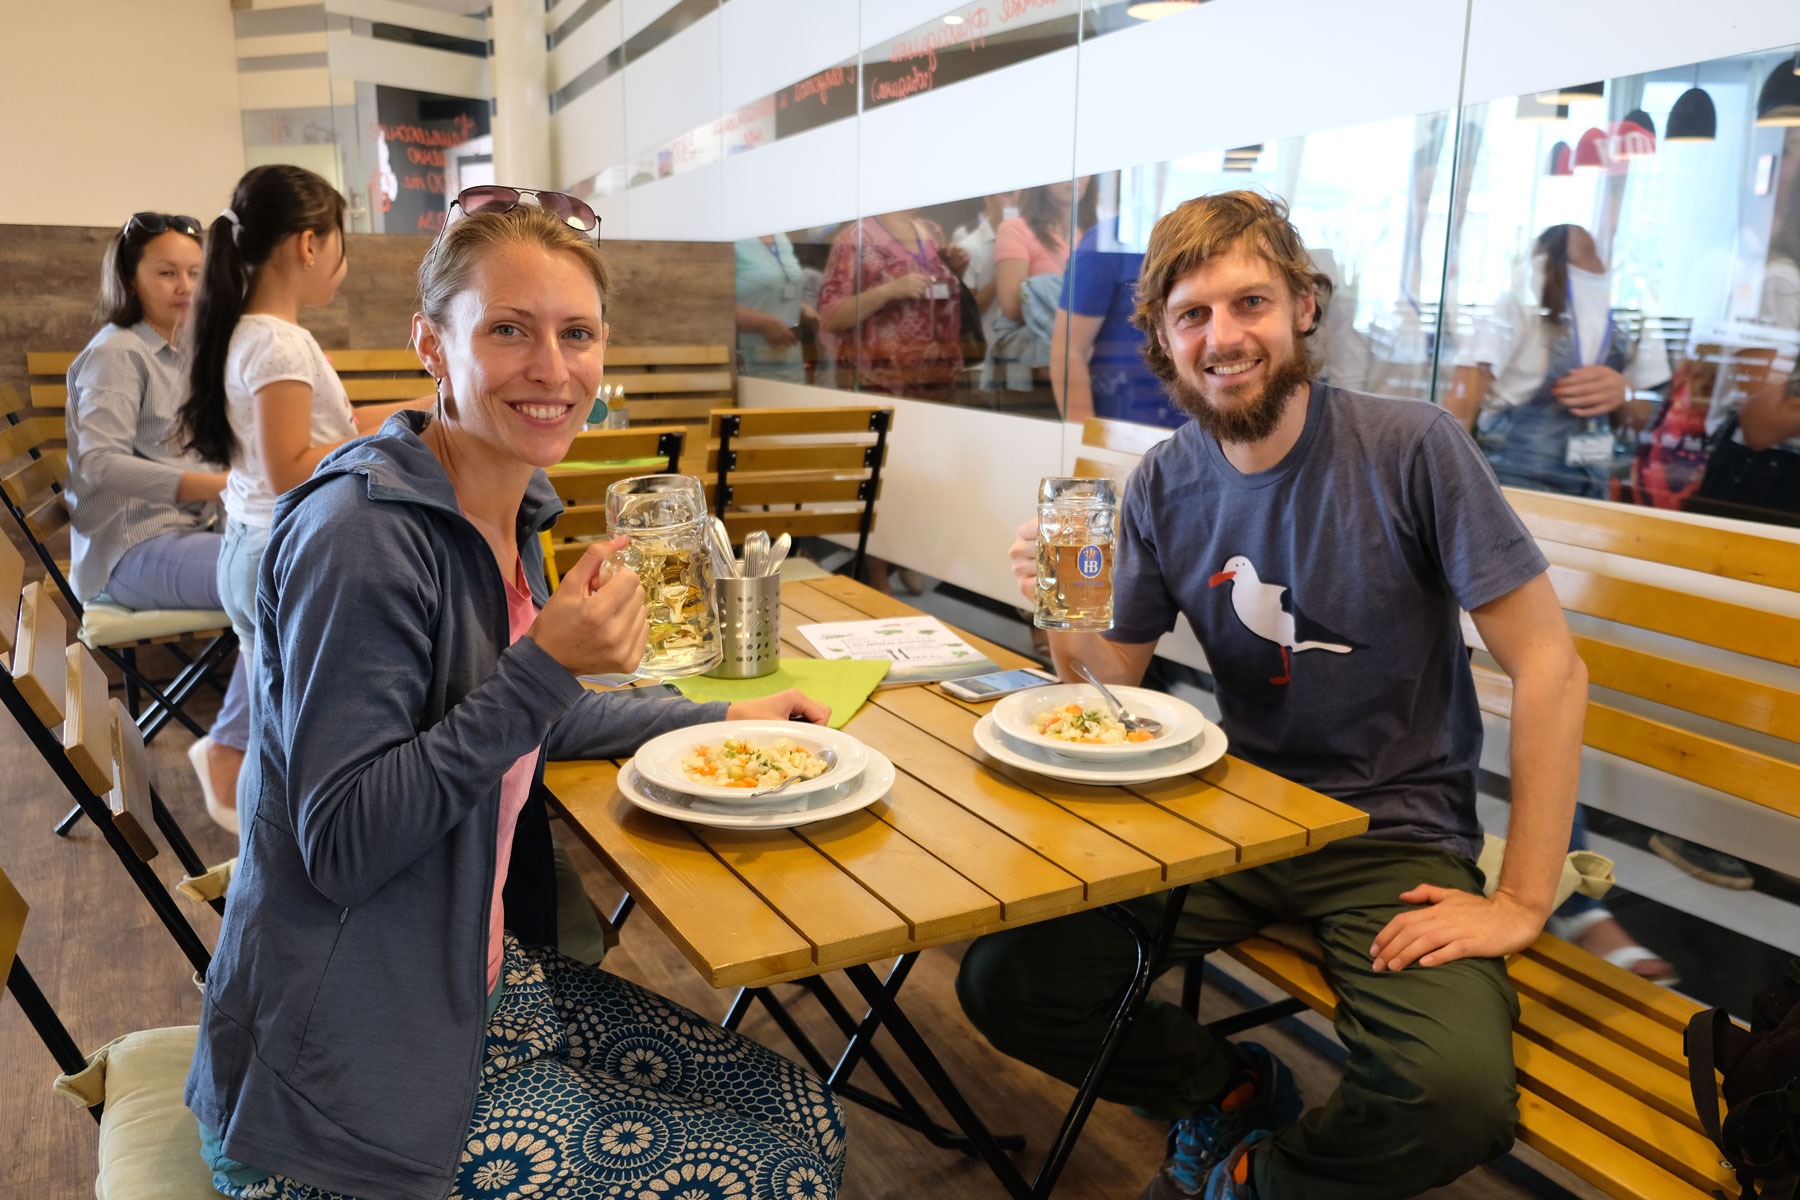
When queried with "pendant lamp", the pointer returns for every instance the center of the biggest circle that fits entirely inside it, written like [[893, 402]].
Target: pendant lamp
[[1561, 160], [1635, 136], [1779, 102], [1590, 151], [1573, 93], [1156, 10], [1692, 119]]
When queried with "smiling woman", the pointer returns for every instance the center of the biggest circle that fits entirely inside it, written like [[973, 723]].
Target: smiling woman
[[386, 1014]]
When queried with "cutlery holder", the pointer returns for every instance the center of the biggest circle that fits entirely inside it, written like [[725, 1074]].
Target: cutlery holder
[[749, 627]]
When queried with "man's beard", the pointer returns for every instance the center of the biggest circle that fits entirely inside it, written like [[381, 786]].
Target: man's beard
[[1255, 418]]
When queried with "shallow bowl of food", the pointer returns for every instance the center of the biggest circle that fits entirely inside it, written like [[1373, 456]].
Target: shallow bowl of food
[[1071, 719], [737, 762]]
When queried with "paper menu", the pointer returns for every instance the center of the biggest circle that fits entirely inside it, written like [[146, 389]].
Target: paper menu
[[921, 649]]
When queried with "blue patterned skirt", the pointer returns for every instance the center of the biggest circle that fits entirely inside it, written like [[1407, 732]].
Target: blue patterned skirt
[[596, 1088]]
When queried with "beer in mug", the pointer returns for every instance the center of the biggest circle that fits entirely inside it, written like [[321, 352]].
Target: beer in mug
[[1077, 529]]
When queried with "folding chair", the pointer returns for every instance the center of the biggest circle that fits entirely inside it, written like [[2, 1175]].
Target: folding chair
[[100, 756], [149, 1141], [800, 471]]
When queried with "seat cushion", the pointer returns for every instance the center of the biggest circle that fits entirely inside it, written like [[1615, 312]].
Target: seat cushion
[[114, 625], [149, 1141]]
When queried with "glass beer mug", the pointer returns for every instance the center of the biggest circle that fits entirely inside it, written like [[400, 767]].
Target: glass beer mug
[[1077, 528], [665, 517]]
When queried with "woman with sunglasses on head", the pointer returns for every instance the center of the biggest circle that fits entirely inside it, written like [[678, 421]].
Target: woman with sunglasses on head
[[263, 399], [145, 512], [383, 1018]]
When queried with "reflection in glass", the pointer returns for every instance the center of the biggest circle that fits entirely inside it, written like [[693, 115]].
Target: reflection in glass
[[771, 308], [890, 307]]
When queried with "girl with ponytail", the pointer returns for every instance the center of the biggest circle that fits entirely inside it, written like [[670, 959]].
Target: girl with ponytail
[[263, 399]]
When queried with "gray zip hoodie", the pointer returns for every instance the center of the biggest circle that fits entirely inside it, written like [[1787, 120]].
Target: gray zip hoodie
[[342, 1030]]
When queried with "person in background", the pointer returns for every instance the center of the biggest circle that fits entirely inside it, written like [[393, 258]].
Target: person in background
[[978, 244], [1373, 522], [1556, 371], [1032, 245], [262, 397], [1555, 375], [384, 1017], [890, 306], [143, 512], [771, 308], [1096, 354]]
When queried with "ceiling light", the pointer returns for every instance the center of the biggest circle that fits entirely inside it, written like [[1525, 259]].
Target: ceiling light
[[1590, 151], [1635, 136], [1692, 119], [1156, 10], [1561, 160], [953, 19], [1573, 93], [1779, 102]]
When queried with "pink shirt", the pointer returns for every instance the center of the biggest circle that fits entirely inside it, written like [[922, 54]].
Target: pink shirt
[[1016, 239], [515, 785]]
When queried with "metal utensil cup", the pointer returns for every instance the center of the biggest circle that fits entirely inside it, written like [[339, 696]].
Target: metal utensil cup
[[749, 626]]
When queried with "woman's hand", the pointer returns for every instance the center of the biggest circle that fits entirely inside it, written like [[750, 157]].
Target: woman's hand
[[1023, 556], [1592, 391], [912, 286], [956, 258], [594, 624], [776, 332], [780, 707]]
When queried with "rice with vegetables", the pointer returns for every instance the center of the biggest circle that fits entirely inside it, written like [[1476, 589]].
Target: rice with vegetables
[[1089, 726], [741, 763]]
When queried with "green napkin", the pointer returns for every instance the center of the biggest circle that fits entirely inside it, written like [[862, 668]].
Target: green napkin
[[842, 683], [656, 460]]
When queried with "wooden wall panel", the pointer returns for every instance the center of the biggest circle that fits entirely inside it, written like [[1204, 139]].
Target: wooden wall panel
[[663, 292]]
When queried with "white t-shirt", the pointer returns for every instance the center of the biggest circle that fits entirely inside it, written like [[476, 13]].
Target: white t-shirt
[[979, 242], [1516, 342], [265, 350]]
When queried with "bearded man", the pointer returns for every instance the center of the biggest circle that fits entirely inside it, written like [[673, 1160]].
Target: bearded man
[[1321, 543]]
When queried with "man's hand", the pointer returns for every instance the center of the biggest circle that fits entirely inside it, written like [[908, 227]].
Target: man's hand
[[594, 624], [1591, 391], [1023, 555], [1451, 925], [781, 706]]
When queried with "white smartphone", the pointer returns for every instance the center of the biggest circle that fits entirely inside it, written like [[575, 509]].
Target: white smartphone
[[999, 683]]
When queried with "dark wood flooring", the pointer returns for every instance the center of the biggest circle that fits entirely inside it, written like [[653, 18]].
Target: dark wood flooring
[[109, 968]]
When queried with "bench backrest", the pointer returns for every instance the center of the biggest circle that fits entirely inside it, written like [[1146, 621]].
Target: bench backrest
[[662, 383], [1663, 587]]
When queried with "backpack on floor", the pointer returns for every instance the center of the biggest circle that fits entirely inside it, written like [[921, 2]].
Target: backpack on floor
[[1760, 1135]]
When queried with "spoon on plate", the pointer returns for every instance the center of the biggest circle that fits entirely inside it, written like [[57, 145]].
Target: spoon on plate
[[1131, 723], [826, 756]]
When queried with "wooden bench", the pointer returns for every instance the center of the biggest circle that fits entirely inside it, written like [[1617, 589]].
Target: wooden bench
[[1602, 1074], [662, 383]]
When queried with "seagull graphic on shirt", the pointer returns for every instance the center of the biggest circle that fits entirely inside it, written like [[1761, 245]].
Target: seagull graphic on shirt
[[1268, 611]]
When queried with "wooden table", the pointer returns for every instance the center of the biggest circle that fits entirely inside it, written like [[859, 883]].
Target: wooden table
[[962, 846]]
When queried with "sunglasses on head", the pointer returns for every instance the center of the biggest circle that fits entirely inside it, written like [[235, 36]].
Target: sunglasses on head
[[493, 198], [149, 224]]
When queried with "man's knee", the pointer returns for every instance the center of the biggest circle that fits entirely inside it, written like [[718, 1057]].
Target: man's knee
[[1469, 1114], [991, 984]]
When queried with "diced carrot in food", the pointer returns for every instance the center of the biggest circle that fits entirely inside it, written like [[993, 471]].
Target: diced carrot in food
[[1139, 735]]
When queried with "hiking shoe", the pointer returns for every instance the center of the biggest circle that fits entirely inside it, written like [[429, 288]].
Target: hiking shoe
[[1261, 1097], [1231, 1179], [1720, 870]]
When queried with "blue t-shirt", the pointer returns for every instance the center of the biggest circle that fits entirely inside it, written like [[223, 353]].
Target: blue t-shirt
[[1325, 591], [1102, 283]]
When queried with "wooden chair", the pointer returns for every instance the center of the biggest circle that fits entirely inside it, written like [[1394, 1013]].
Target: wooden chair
[[806, 472], [99, 755], [665, 384], [31, 486], [132, 1086]]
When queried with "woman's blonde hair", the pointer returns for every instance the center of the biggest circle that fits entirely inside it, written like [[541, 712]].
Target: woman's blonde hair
[[452, 258], [1205, 227]]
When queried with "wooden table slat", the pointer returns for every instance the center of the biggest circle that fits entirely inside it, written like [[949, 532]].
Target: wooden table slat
[[723, 927], [1185, 850], [1324, 819], [831, 910], [1259, 834], [933, 900], [1107, 867]]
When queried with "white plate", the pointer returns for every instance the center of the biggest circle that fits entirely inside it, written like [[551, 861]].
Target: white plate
[[781, 813], [1182, 722], [659, 759], [1203, 752]]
